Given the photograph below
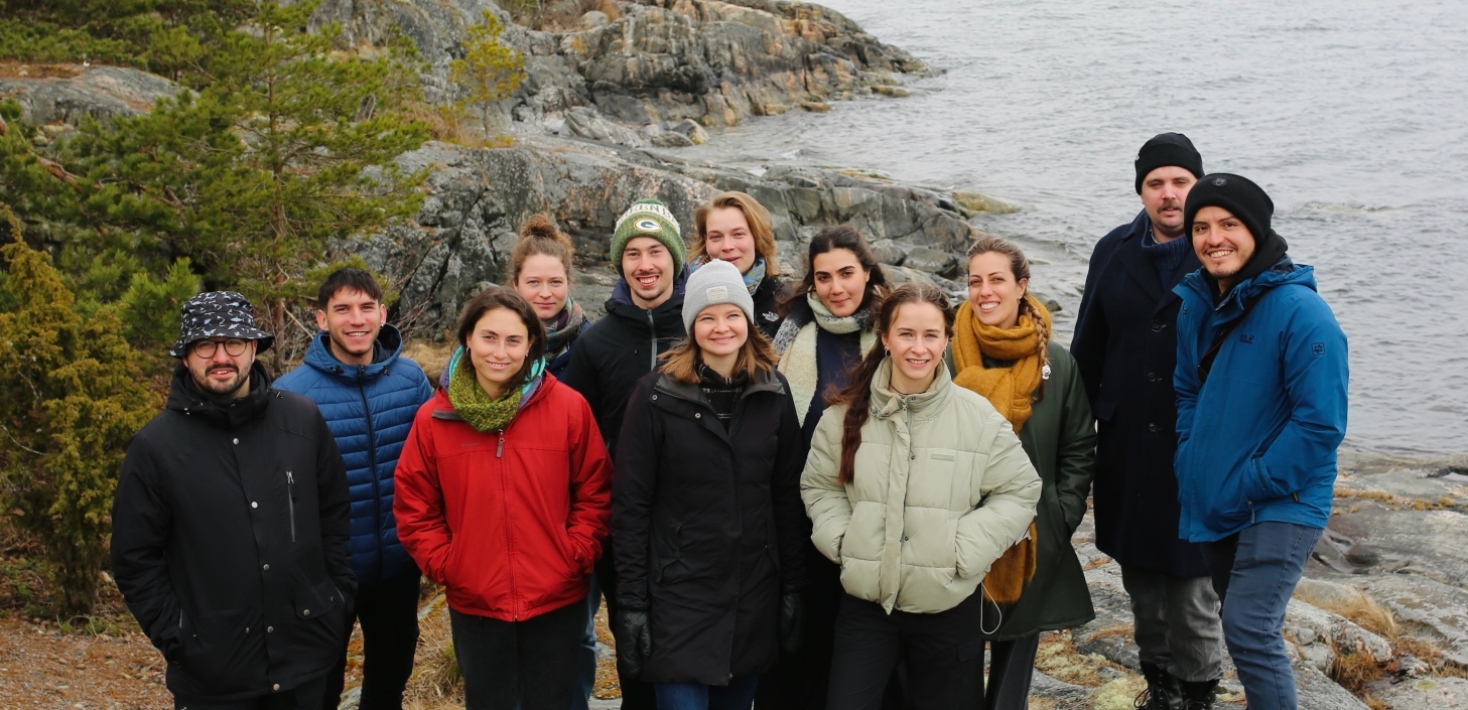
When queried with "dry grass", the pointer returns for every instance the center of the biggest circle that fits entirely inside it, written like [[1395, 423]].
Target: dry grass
[[1394, 500], [432, 357], [1354, 671], [436, 682], [1059, 659], [1358, 608], [18, 70]]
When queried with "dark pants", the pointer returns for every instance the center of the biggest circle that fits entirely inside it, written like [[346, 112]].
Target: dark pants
[[389, 614], [944, 653], [798, 681], [306, 696], [1011, 666], [1177, 626], [1255, 572], [737, 695], [636, 695], [529, 663], [586, 664]]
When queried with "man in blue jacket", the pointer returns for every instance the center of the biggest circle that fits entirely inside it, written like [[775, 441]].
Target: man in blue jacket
[[1261, 382], [1125, 347], [369, 393]]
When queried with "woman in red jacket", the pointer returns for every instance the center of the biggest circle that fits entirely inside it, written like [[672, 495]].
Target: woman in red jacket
[[503, 499]]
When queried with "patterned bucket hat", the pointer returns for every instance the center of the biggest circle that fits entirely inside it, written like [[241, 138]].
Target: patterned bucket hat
[[218, 314]]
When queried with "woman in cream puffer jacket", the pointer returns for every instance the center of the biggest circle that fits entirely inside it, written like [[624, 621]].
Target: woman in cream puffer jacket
[[938, 488]]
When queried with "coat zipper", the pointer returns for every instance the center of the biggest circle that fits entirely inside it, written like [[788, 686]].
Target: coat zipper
[[290, 487], [372, 471], [499, 451], [652, 327]]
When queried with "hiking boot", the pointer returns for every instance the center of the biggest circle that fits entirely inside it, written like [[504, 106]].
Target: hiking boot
[[1162, 693], [1199, 695]]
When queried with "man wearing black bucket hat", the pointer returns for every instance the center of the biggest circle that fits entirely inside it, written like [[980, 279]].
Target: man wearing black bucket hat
[[230, 524], [1261, 385], [1126, 347]]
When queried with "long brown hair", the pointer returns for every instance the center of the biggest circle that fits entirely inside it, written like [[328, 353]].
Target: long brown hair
[[1019, 267], [539, 236], [760, 227], [681, 361], [507, 298], [857, 395], [841, 236]]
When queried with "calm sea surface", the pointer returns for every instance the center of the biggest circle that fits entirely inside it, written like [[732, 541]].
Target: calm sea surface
[[1352, 114]]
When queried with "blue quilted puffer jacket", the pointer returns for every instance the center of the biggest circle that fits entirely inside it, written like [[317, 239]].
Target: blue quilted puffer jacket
[[370, 409]]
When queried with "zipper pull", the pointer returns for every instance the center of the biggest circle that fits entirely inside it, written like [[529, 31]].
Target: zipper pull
[[289, 478], [499, 449]]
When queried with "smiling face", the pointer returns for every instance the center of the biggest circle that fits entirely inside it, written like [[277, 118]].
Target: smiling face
[[720, 331], [840, 281], [351, 320], [915, 341], [727, 236], [1223, 244], [993, 292], [1164, 193], [497, 347], [648, 267], [220, 374], [542, 281]]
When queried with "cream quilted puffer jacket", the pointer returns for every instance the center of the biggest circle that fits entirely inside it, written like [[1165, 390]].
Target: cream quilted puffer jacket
[[941, 489]]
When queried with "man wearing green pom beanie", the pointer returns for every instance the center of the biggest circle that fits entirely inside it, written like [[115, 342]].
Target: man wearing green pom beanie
[[644, 318]]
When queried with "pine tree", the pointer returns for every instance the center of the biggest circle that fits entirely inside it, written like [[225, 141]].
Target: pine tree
[[489, 72], [71, 396]]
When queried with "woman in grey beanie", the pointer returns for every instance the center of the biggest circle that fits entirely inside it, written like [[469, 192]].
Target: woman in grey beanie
[[707, 515]]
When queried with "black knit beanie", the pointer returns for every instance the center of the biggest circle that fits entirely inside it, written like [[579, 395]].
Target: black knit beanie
[[1246, 201], [1168, 149]]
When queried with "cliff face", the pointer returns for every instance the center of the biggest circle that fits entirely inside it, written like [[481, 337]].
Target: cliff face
[[661, 61]]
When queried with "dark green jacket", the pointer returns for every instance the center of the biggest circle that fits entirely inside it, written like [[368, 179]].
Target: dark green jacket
[[1060, 438]]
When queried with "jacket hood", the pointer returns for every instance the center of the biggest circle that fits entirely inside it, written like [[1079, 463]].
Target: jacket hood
[[622, 292], [668, 315], [389, 347], [886, 402], [185, 397], [1283, 272]]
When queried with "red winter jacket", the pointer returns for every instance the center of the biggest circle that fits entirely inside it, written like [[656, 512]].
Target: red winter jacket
[[510, 522]]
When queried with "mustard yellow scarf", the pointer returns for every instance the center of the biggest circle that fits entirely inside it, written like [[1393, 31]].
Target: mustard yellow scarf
[[1008, 388]]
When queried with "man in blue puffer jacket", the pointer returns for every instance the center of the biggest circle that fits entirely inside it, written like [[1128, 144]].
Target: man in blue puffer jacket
[[1261, 383], [368, 393]]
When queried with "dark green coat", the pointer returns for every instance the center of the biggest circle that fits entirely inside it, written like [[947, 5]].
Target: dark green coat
[[1060, 438]]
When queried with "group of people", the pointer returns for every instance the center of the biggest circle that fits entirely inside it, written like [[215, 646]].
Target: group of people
[[832, 492]]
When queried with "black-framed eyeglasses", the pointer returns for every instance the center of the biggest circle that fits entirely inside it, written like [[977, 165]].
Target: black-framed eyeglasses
[[233, 347]]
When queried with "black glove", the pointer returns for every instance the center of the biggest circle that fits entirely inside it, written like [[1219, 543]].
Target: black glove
[[633, 631], [792, 621]]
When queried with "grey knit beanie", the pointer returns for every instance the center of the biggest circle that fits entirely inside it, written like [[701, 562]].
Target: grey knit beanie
[[714, 283]]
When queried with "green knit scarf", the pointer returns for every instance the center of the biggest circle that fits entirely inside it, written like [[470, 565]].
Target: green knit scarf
[[475, 405]]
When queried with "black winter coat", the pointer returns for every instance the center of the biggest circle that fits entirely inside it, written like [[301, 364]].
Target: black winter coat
[[229, 540], [611, 355], [1126, 348], [767, 306], [708, 525]]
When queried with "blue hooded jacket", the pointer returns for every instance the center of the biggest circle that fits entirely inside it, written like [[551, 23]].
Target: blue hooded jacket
[[370, 409], [1257, 440]]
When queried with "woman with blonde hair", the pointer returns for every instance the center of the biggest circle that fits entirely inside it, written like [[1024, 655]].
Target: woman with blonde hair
[[1002, 350], [734, 227], [914, 486]]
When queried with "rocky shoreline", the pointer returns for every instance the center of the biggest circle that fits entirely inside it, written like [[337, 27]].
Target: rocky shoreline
[[597, 125]]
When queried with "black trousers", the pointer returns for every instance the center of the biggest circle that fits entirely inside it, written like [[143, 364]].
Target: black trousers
[[1011, 667], [636, 695], [799, 680], [527, 664], [306, 696], [944, 653], [388, 611]]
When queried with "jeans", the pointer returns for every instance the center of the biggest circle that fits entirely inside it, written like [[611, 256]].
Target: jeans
[[388, 611], [944, 653], [737, 695], [306, 696], [531, 663], [586, 655], [1255, 572], [1177, 626]]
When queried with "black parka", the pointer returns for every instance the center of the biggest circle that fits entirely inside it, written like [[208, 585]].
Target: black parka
[[617, 350], [709, 525], [1125, 346], [229, 540], [767, 306]]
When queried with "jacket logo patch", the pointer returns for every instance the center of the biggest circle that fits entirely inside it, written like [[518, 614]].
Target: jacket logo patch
[[770, 316], [1246, 338], [1317, 348], [940, 456]]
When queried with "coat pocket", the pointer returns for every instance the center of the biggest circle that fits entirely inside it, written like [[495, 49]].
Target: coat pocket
[[218, 647]]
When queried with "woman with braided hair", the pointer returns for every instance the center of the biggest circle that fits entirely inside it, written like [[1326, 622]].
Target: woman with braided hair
[[1001, 349]]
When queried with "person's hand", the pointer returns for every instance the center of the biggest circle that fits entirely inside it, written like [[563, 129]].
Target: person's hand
[[633, 631], [792, 621]]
